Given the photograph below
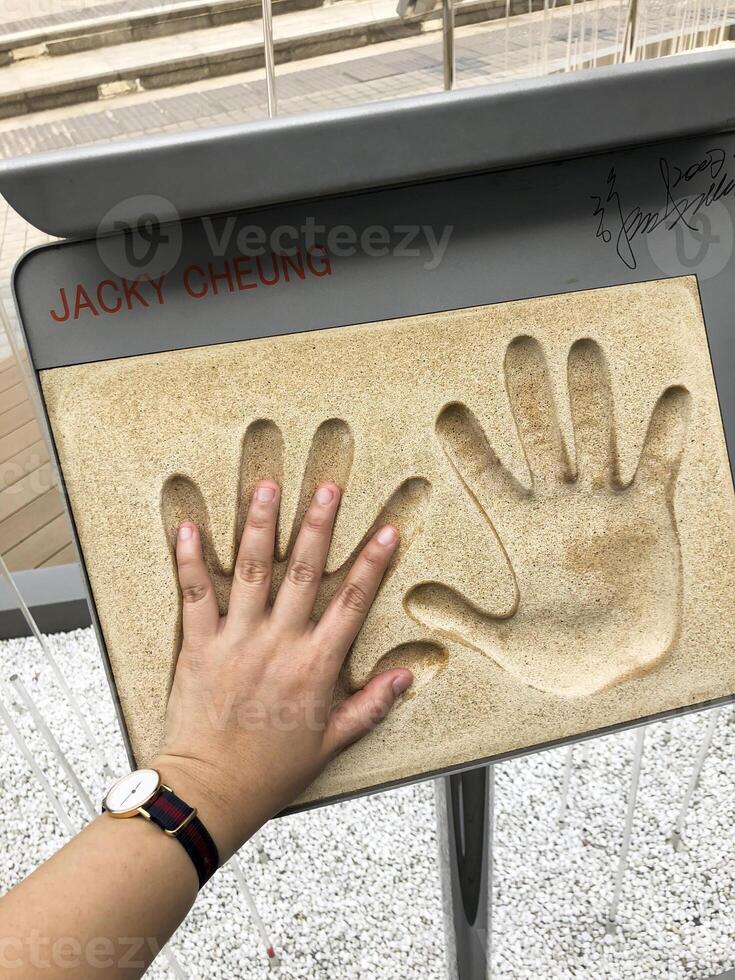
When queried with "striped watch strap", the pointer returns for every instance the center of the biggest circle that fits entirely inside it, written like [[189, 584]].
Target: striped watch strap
[[179, 820]]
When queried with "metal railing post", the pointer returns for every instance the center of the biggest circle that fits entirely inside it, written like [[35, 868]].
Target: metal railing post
[[448, 32], [270, 58]]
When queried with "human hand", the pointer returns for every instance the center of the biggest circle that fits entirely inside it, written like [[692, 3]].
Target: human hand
[[250, 721], [595, 560]]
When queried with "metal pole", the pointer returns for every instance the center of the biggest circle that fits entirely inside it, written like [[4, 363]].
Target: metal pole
[[625, 849], [631, 31], [61, 680], [270, 58], [676, 835], [448, 31], [464, 807]]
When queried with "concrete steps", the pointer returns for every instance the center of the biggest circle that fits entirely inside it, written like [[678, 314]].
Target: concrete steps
[[37, 79], [92, 33]]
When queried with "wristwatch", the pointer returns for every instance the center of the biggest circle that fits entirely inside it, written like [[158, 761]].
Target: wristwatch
[[142, 793]]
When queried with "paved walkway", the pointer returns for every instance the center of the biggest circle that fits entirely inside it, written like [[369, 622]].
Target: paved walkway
[[138, 59]]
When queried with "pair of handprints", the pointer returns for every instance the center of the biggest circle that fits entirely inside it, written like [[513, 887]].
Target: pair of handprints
[[595, 561]]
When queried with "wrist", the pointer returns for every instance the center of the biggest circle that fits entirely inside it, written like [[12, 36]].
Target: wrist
[[196, 783]]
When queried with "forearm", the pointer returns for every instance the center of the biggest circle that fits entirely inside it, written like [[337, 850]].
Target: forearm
[[111, 899], [102, 907], [106, 904]]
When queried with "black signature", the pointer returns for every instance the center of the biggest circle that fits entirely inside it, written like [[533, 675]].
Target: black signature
[[677, 208]]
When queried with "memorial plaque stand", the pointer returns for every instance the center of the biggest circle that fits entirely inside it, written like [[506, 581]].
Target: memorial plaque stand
[[571, 134]]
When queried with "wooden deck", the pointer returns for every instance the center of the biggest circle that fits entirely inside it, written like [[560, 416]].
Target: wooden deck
[[34, 531]]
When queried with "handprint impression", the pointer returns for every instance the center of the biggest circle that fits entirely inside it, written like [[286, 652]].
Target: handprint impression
[[596, 562], [330, 459]]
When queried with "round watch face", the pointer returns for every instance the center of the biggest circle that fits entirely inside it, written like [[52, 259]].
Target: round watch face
[[132, 791]]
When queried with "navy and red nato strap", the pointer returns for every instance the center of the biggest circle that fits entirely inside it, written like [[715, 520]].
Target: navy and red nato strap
[[180, 820]]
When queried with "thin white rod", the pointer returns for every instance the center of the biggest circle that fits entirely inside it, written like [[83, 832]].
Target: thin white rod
[[566, 779], [531, 46], [679, 47], [628, 830], [60, 679], [270, 58], [697, 26], [53, 745], [176, 968], [712, 22], [641, 34], [661, 30], [548, 27], [631, 31], [597, 34], [723, 27], [234, 866], [257, 842], [676, 836], [619, 41], [582, 34], [569, 36], [30, 760]]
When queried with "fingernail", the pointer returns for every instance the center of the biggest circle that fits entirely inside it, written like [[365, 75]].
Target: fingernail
[[324, 496], [265, 493], [401, 684], [387, 535], [186, 531]]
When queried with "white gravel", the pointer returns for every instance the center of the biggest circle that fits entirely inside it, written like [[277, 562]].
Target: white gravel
[[353, 891]]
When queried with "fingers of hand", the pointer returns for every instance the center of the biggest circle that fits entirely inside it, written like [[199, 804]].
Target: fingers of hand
[[251, 582], [466, 445], [364, 711], [532, 403], [200, 613], [591, 399], [346, 613], [665, 439], [295, 600]]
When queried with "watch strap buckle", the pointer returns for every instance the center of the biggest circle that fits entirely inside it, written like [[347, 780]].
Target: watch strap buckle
[[182, 826]]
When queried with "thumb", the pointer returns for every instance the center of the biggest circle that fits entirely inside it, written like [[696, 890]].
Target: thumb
[[364, 711]]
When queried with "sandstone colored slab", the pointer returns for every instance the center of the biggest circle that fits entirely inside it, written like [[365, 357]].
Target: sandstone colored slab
[[557, 467]]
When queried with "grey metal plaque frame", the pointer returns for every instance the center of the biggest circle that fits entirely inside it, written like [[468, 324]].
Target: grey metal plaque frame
[[68, 193], [632, 214]]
